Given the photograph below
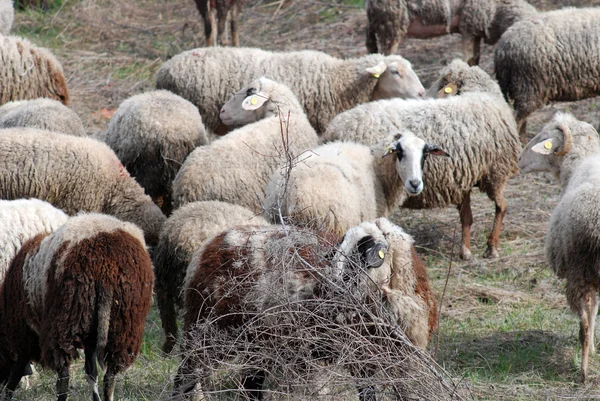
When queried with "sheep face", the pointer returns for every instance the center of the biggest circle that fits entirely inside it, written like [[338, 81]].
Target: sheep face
[[396, 79], [458, 77], [411, 153], [544, 152]]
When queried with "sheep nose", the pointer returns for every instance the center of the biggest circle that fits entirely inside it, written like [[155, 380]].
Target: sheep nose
[[415, 183], [421, 93]]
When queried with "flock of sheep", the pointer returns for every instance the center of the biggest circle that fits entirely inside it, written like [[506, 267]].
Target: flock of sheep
[[314, 153]]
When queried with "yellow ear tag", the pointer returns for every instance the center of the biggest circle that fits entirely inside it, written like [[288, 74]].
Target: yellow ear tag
[[548, 145], [381, 254], [447, 90], [253, 100]]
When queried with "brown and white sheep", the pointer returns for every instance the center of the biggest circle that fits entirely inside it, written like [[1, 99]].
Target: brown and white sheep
[[86, 286], [221, 9], [249, 270]]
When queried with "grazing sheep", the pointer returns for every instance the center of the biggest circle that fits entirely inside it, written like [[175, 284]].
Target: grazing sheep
[[552, 57], [391, 20], [181, 235], [209, 9], [21, 220], [324, 85], [29, 72], [476, 128], [152, 134], [86, 286], [46, 114], [571, 150], [7, 15], [237, 167], [73, 174], [255, 269], [371, 187]]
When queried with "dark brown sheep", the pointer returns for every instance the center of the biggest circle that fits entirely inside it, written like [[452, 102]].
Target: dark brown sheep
[[209, 9]]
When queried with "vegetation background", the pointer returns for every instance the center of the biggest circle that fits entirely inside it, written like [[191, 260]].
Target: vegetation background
[[505, 326]]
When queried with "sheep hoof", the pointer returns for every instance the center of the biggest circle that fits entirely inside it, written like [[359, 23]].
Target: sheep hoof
[[168, 346], [491, 253], [465, 253]]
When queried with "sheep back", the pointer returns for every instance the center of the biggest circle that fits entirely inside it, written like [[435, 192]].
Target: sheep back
[[46, 114], [152, 134], [29, 72]]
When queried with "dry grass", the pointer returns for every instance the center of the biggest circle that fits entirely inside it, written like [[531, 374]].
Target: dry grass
[[505, 327]]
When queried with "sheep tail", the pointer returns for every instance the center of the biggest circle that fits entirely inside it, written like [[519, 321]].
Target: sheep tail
[[104, 309]]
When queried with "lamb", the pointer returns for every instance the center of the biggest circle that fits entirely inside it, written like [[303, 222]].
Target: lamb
[[181, 235], [552, 57], [324, 85], [29, 72], [152, 134], [46, 114], [7, 15], [22, 220], [237, 167], [389, 21], [310, 193], [73, 174], [86, 286], [476, 128], [209, 9], [254, 269], [571, 150]]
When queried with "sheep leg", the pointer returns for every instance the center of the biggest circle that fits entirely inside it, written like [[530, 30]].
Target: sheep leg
[[91, 370], [586, 304], [253, 384], [109, 384], [16, 373], [62, 383], [371, 40], [166, 310], [221, 21], [466, 220], [235, 11], [522, 127], [471, 46], [494, 238], [593, 315]]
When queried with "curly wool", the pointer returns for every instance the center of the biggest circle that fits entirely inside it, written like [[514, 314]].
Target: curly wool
[[29, 72], [183, 233], [237, 167], [7, 14], [46, 114], [73, 174], [324, 85], [551, 57], [152, 134]]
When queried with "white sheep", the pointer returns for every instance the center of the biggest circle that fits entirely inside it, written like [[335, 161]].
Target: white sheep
[[7, 14], [73, 174], [42, 113], [29, 72], [237, 167], [183, 233], [311, 192], [476, 128], [152, 133], [325, 85], [553, 56], [570, 149]]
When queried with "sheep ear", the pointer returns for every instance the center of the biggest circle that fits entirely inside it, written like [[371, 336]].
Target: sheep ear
[[435, 151], [450, 89], [255, 101], [544, 147], [378, 69], [389, 150], [372, 253]]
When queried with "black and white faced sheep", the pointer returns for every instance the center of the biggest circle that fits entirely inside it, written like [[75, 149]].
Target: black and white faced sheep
[[29, 72], [152, 133], [571, 150], [325, 86], [41, 113], [215, 14], [86, 286], [7, 14], [553, 56], [343, 184], [250, 270], [237, 167], [391, 20], [73, 174], [477, 129], [182, 234]]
